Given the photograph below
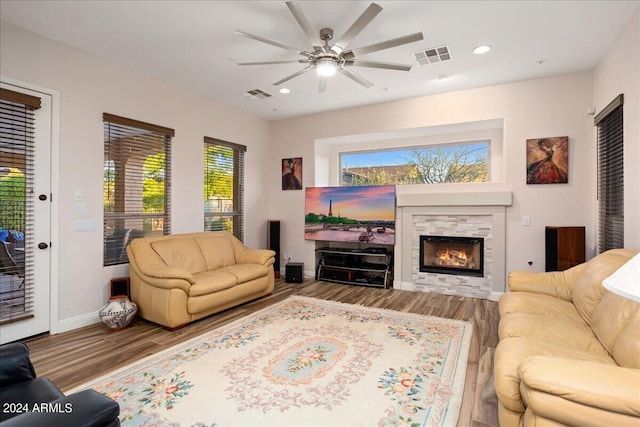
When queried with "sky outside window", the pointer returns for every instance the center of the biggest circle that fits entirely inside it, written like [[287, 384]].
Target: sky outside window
[[402, 156]]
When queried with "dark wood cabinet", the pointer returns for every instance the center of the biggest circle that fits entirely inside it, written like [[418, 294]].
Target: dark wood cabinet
[[564, 247]]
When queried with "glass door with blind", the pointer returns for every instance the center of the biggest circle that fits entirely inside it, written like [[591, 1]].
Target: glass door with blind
[[25, 212]]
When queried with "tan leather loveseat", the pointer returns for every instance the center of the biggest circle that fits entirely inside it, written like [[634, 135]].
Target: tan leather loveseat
[[569, 351], [179, 278]]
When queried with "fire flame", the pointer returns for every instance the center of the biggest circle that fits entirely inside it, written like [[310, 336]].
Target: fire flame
[[452, 258]]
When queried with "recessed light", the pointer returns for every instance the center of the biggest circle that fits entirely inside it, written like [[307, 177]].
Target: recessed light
[[284, 90], [443, 77], [479, 50]]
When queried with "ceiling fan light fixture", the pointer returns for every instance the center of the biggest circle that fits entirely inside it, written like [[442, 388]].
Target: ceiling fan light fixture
[[326, 67]]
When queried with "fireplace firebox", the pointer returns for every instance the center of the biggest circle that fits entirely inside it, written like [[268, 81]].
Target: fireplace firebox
[[462, 256]]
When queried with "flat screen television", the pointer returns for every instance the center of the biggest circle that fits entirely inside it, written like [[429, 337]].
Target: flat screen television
[[359, 214]]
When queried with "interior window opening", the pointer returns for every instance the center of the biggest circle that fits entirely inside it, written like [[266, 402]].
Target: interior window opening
[[433, 164]]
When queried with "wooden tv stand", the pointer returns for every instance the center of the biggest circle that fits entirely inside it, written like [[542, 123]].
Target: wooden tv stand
[[365, 267]]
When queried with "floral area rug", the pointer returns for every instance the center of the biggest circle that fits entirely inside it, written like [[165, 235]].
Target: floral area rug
[[302, 362]]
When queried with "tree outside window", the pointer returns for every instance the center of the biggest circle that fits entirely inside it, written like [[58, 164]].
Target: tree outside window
[[468, 162]]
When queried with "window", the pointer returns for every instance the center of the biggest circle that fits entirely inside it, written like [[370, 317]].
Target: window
[[610, 176], [460, 162], [224, 186], [17, 151], [137, 178]]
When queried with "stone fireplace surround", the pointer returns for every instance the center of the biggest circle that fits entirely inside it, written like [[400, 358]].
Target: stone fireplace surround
[[472, 214]]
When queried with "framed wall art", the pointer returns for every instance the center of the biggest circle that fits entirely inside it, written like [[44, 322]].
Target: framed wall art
[[292, 173], [548, 160]]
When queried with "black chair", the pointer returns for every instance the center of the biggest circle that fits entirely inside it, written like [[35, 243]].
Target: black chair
[[21, 391], [7, 264]]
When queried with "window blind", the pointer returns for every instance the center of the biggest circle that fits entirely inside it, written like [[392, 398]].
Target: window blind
[[224, 186], [17, 154], [611, 176], [137, 179]]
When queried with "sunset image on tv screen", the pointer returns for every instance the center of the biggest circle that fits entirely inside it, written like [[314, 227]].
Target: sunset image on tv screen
[[364, 214]]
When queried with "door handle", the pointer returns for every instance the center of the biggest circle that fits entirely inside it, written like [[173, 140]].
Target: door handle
[[42, 245]]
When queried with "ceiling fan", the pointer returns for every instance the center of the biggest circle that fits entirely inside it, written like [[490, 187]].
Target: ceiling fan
[[327, 59]]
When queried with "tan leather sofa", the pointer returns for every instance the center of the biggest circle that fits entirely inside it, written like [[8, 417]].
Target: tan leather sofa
[[179, 278], [569, 350]]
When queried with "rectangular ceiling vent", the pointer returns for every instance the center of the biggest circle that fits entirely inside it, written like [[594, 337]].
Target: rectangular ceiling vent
[[257, 94], [433, 55]]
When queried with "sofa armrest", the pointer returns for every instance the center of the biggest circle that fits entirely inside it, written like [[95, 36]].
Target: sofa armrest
[[257, 256], [557, 284], [15, 365], [87, 408], [609, 388]]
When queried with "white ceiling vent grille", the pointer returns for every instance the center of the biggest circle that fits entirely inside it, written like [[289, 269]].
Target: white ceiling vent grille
[[433, 55], [257, 94]]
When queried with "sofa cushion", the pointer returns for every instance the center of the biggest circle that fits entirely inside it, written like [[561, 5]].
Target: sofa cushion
[[610, 318], [559, 331], [588, 289], [246, 272], [209, 282], [627, 347], [544, 305], [217, 250], [180, 253]]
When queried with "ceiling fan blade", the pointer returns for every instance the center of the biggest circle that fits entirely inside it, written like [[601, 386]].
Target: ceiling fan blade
[[297, 13], [378, 64], [288, 61], [355, 77], [296, 74], [355, 28], [272, 43], [350, 54], [323, 84]]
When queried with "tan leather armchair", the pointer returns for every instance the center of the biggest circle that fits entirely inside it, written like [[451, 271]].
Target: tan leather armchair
[[179, 278], [569, 351]]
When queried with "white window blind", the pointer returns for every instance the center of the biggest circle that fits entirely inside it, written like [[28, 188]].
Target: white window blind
[[611, 175], [224, 186], [137, 179], [17, 153]]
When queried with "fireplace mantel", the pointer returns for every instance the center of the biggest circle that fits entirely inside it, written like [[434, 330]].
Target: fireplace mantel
[[476, 198]]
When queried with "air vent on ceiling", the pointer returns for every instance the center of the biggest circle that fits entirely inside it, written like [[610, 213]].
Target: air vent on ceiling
[[433, 55], [257, 94]]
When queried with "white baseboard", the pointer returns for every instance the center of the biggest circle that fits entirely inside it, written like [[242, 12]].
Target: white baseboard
[[78, 322], [405, 286], [495, 296]]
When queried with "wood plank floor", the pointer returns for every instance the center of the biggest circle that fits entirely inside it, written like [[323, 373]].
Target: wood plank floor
[[74, 357]]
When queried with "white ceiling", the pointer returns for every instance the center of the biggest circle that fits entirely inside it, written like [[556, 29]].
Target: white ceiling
[[192, 44]]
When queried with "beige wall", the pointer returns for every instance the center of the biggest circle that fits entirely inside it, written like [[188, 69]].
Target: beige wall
[[619, 72], [554, 106], [89, 86]]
